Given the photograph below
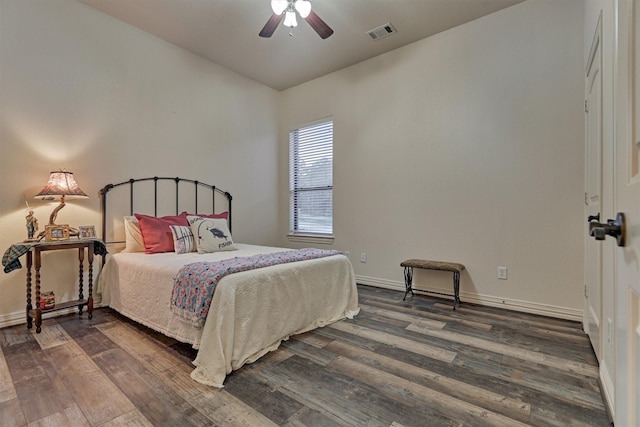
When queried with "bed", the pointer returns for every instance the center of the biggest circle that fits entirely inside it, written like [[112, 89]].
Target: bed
[[251, 311]]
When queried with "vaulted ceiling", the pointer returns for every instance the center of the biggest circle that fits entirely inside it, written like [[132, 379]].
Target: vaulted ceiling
[[226, 31]]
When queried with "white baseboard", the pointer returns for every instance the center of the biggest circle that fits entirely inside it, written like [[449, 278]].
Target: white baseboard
[[491, 301], [488, 300], [20, 318], [608, 389]]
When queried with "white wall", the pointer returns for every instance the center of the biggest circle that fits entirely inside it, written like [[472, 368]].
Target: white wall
[[82, 91], [466, 146]]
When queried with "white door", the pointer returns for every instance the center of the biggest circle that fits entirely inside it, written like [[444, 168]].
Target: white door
[[627, 259], [593, 191]]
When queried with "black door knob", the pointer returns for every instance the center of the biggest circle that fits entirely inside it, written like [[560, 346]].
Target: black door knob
[[614, 228], [593, 217]]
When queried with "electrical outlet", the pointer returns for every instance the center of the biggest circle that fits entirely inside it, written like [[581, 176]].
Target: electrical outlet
[[502, 273], [363, 257]]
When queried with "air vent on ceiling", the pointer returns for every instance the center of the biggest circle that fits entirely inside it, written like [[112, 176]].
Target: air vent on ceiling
[[382, 31]]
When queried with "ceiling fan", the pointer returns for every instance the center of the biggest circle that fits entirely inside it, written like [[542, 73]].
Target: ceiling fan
[[286, 9]]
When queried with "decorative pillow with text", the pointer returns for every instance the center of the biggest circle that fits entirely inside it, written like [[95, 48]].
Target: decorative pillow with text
[[210, 234]]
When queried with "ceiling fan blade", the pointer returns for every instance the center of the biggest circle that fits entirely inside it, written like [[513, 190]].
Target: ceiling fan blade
[[271, 25], [318, 25]]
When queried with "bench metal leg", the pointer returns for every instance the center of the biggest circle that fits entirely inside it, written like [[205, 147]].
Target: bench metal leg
[[408, 281], [456, 289]]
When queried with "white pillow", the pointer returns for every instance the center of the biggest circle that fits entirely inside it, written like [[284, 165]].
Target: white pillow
[[132, 235], [183, 241], [211, 234]]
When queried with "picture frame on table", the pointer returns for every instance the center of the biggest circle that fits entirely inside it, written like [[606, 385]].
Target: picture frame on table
[[87, 232], [54, 233]]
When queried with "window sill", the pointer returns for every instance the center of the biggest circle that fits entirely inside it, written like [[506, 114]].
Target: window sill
[[311, 238]]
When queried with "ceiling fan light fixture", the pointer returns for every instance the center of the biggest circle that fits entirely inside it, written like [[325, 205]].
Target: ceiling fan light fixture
[[290, 19], [285, 11], [303, 7], [279, 6]]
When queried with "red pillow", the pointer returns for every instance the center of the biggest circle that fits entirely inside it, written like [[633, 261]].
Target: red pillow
[[156, 233]]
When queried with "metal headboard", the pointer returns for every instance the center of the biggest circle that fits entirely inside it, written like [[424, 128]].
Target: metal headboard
[[195, 185]]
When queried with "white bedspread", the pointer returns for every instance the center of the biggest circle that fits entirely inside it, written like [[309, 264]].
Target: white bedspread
[[251, 311]]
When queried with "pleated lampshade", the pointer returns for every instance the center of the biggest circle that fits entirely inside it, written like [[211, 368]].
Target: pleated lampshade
[[61, 184]]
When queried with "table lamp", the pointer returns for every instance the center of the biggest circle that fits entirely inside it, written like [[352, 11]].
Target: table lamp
[[61, 184]]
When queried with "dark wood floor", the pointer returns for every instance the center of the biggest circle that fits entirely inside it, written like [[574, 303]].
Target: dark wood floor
[[412, 363]]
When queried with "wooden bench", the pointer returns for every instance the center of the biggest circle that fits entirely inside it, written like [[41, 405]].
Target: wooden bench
[[455, 267]]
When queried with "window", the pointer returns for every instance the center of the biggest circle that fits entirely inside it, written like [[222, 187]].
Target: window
[[311, 179]]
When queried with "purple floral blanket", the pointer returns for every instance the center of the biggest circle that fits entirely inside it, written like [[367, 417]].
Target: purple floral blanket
[[195, 283]]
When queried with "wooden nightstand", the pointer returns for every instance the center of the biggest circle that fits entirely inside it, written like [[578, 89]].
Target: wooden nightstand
[[34, 250]]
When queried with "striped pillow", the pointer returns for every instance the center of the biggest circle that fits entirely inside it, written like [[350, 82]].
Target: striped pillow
[[183, 241]]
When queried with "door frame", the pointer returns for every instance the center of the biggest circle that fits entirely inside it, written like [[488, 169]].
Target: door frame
[[627, 285]]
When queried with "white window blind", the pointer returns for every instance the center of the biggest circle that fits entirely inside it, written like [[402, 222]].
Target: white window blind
[[311, 179]]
